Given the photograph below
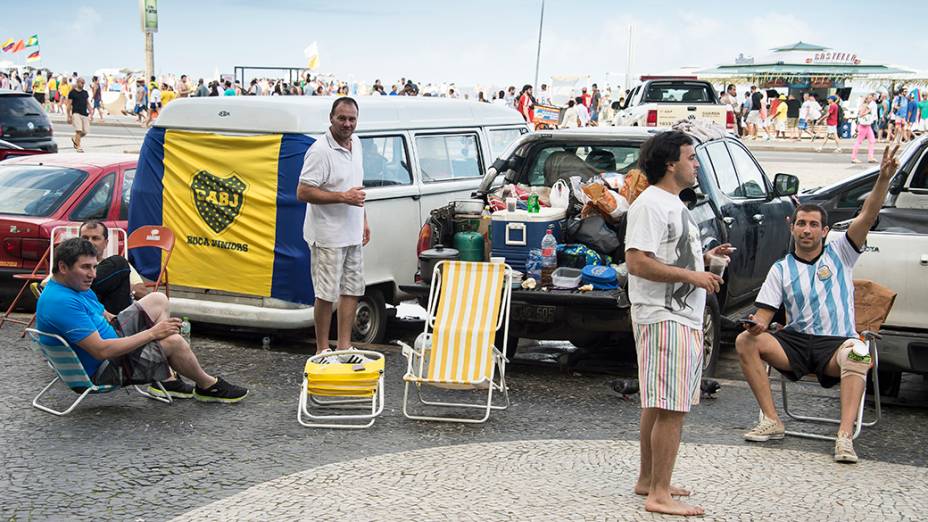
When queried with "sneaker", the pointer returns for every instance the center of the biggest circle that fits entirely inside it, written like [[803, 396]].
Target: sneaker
[[765, 430], [839, 149], [844, 449], [222, 391], [855, 160], [176, 388]]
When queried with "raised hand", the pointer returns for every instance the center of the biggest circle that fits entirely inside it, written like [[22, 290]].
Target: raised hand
[[890, 164]]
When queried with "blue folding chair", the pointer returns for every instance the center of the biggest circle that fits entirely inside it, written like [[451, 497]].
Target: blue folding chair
[[70, 371]]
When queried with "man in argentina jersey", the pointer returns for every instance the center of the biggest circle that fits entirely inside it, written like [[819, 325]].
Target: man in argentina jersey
[[814, 284]]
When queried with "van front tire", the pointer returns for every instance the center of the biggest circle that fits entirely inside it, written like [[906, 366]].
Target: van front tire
[[370, 318]]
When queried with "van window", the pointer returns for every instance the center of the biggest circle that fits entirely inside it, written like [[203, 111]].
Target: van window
[[128, 178], [502, 138], [385, 161], [96, 204], [446, 157]]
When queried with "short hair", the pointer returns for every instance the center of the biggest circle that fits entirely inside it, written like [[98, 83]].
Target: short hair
[[70, 250], [658, 151], [94, 223], [805, 207], [341, 101], [730, 86]]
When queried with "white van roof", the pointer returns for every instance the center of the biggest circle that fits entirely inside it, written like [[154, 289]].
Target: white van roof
[[310, 114]]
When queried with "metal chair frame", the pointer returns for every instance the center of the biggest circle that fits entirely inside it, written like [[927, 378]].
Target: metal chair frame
[[309, 402]]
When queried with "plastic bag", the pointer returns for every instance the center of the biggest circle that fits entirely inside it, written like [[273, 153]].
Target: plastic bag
[[595, 233], [560, 194], [613, 180], [635, 183], [601, 199]]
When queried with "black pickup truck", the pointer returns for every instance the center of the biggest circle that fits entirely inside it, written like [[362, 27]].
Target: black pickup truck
[[734, 202]]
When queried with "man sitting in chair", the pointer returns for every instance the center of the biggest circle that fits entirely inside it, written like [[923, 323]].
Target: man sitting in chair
[[117, 283], [816, 286], [140, 345]]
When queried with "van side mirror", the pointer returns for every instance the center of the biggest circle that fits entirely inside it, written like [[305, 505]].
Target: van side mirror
[[786, 184]]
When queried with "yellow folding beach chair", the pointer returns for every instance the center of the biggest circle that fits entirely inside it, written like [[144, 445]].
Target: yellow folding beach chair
[[345, 387], [468, 304]]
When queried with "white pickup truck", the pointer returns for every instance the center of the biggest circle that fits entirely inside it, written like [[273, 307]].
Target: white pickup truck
[[896, 256], [661, 103]]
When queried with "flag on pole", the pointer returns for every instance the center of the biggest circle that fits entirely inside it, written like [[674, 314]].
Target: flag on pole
[[20, 45], [7, 45], [312, 56], [33, 41], [34, 57]]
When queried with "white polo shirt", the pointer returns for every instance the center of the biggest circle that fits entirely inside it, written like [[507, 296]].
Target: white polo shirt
[[329, 166]]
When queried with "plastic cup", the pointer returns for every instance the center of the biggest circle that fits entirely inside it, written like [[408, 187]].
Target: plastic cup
[[512, 204], [717, 265]]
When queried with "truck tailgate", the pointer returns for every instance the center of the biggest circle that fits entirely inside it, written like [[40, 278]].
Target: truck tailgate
[[670, 113]]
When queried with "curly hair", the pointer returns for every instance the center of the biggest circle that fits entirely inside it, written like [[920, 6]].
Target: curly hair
[[660, 150]]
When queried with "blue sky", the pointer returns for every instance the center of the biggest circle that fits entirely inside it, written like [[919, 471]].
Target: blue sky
[[469, 42]]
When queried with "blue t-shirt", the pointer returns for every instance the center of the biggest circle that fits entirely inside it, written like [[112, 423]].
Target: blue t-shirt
[[229, 92], [912, 111], [73, 315], [902, 105]]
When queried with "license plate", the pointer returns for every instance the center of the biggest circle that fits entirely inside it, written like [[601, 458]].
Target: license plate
[[532, 313]]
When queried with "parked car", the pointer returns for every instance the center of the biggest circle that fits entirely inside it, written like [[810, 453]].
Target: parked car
[[663, 102], [896, 256], [842, 199], [418, 154], [40, 192], [11, 150], [23, 122], [734, 202]]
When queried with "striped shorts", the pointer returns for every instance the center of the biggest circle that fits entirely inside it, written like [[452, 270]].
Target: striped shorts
[[669, 365], [337, 271]]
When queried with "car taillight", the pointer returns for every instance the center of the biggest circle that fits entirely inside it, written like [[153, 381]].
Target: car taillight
[[651, 121], [33, 248], [425, 239], [11, 246], [730, 120]]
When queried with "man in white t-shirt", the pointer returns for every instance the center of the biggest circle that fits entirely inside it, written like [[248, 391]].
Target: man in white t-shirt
[[332, 182], [815, 284], [583, 114], [667, 288]]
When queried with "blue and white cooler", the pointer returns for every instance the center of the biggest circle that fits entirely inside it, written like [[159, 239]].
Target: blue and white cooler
[[513, 234]]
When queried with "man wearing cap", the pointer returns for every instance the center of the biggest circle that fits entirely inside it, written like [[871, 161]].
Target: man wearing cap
[[831, 124]]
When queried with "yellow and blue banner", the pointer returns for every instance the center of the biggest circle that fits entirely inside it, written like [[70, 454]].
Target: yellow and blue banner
[[231, 203]]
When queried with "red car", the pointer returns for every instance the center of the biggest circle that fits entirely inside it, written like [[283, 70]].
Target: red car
[[38, 193]]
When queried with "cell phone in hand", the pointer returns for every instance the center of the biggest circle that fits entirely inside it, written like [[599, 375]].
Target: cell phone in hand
[[747, 322]]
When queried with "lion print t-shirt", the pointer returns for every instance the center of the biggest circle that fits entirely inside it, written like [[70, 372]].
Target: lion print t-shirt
[[659, 223]]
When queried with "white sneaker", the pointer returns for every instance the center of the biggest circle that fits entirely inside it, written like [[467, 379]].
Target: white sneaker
[[331, 359], [844, 449], [765, 430], [353, 358]]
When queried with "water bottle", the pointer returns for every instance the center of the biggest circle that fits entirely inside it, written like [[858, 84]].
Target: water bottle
[[185, 330], [548, 256]]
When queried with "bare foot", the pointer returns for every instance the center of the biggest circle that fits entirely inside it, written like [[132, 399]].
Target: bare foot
[[672, 507], [674, 490]]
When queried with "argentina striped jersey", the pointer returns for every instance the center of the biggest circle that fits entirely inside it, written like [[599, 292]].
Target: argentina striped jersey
[[818, 295]]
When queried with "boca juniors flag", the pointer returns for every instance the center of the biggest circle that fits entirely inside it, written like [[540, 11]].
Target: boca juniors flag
[[231, 203]]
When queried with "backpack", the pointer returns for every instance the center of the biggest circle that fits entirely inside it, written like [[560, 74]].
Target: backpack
[[840, 115]]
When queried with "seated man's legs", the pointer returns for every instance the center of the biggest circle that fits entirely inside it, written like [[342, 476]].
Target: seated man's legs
[[753, 351], [853, 375]]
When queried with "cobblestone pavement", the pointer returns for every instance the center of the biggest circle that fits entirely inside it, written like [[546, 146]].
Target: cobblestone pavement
[[122, 457], [577, 480]]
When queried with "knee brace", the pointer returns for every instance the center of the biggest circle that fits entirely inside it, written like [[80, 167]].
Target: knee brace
[[848, 365]]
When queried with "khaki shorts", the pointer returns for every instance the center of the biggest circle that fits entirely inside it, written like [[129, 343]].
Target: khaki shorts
[[337, 271], [81, 123]]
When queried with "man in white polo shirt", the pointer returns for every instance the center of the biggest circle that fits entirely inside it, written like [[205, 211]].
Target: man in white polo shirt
[[336, 222]]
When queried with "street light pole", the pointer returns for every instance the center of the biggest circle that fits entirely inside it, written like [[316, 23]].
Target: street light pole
[[541, 23], [149, 55]]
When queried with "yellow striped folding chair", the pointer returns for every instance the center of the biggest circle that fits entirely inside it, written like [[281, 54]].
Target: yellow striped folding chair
[[330, 390], [468, 304]]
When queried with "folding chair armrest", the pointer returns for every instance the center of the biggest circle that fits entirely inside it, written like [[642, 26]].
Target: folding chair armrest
[[408, 351], [868, 334]]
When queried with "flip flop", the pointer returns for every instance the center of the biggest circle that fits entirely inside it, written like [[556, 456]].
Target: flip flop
[[74, 143]]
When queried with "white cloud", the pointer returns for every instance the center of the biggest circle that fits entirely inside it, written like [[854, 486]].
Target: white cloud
[[86, 21]]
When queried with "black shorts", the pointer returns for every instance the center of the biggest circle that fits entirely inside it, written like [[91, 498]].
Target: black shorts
[[144, 365], [809, 354], [39, 97]]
